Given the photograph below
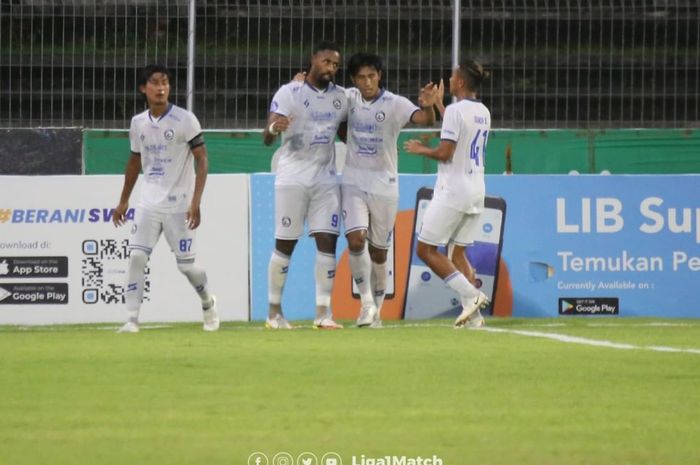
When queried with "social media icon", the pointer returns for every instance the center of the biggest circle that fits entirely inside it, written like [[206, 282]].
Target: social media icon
[[258, 458], [283, 458], [331, 458], [307, 458]]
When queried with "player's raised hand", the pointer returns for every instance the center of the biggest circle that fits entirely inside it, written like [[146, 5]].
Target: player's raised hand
[[119, 214], [299, 77], [440, 97], [440, 91], [193, 217], [428, 95]]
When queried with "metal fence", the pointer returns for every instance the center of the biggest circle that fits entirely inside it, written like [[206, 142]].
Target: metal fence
[[554, 63]]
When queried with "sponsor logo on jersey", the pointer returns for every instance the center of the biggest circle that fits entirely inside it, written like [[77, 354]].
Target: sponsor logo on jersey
[[320, 139], [323, 116], [364, 127], [155, 149], [366, 150]]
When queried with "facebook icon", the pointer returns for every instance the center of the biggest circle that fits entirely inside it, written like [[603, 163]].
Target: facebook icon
[[258, 458]]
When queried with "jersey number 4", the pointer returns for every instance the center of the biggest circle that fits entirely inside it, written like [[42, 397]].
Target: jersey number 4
[[478, 151]]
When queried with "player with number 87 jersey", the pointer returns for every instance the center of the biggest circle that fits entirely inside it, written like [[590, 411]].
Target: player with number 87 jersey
[[166, 142]]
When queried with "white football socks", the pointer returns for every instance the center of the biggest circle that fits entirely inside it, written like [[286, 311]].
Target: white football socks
[[277, 276], [459, 283], [198, 279], [325, 276], [361, 267], [134, 283], [379, 278]]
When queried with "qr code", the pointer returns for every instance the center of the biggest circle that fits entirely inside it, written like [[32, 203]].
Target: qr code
[[103, 271]]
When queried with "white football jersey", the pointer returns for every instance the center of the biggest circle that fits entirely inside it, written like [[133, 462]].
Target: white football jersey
[[460, 181], [307, 154], [371, 163], [166, 158]]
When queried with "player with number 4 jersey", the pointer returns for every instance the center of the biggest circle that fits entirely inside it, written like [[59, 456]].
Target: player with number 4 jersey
[[459, 192]]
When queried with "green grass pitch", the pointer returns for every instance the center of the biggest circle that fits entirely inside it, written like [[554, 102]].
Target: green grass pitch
[[176, 395]]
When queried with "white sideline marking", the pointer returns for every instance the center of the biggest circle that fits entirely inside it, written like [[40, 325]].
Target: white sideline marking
[[70, 328], [590, 342]]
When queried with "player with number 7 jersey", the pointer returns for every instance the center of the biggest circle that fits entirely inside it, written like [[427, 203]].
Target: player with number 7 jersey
[[460, 189]]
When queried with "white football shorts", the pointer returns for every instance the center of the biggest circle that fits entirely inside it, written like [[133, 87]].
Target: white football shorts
[[148, 225], [443, 224], [319, 205], [376, 214]]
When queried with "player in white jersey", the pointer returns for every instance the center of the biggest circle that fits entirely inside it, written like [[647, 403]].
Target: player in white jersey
[[370, 190], [456, 253], [308, 114], [459, 192], [165, 140]]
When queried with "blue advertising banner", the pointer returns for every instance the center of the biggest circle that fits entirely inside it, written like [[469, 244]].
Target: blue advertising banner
[[575, 241], [572, 245]]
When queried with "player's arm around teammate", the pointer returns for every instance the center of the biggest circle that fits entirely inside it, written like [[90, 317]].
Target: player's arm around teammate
[[370, 176], [308, 115]]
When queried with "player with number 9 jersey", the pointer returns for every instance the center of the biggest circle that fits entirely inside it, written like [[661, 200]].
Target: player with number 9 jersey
[[308, 114]]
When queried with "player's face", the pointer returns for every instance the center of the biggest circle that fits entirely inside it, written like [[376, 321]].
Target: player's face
[[324, 66], [157, 89], [367, 81]]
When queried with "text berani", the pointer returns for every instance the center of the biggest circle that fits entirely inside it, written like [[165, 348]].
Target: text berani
[[65, 215]]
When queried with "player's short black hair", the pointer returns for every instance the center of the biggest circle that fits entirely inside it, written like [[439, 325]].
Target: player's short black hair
[[473, 72], [362, 59], [150, 70], [325, 45]]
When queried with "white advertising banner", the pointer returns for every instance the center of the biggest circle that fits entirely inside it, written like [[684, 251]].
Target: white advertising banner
[[63, 261]]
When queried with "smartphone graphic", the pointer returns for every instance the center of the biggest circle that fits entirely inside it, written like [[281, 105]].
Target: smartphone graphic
[[427, 296], [390, 287]]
